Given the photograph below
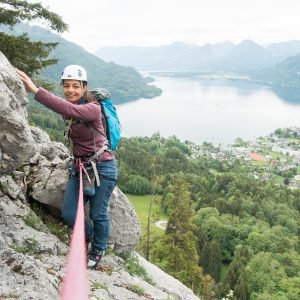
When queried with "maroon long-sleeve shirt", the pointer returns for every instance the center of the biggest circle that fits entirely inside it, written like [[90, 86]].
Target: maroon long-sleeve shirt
[[82, 135]]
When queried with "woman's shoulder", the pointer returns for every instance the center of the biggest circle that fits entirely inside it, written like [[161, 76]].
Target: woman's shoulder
[[94, 103]]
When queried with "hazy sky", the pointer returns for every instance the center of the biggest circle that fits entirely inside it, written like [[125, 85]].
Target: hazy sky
[[98, 23]]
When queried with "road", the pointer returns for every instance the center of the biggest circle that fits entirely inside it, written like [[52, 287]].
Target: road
[[161, 224]]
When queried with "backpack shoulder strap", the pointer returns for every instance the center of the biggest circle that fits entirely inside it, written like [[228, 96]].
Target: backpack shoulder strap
[[95, 130], [105, 145]]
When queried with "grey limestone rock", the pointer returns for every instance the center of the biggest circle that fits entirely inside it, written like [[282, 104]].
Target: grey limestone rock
[[16, 140], [125, 225], [32, 260]]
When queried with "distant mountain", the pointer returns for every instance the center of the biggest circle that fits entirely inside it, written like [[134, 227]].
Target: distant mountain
[[125, 83], [222, 49], [285, 73], [281, 51], [170, 57], [244, 57]]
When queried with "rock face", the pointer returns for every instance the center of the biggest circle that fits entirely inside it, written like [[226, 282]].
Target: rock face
[[16, 141], [32, 264], [125, 229], [49, 170], [32, 260]]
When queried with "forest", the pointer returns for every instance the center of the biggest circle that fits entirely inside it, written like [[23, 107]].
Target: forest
[[226, 231]]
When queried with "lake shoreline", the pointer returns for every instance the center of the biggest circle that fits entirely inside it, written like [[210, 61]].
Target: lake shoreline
[[215, 110]]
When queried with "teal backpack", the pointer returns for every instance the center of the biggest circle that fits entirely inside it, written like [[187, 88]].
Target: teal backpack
[[110, 118]]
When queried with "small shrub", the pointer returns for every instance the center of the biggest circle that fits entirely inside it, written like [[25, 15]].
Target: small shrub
[[38, 208], [54, 225], [3, 187], [98, 285], [133, 267], [136, 289], [9, 295], [109, 251], [32, 221], [20, 249], [31, 248], [58, 230]]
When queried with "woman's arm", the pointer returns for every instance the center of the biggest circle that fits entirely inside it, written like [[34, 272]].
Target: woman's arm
[[86, 112]]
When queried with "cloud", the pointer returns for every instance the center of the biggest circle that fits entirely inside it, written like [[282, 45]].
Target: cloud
[[97, 23]]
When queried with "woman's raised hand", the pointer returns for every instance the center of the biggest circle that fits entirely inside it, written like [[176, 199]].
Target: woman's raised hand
[[29, 85]]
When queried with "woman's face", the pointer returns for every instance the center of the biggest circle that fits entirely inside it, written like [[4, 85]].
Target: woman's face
[[73, 90]]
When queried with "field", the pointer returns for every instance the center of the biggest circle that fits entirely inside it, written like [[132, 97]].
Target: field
[[141, 205]]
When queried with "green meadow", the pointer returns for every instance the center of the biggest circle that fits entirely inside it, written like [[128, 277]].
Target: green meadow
[[141, 205]]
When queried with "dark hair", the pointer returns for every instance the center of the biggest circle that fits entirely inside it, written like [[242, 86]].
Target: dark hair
[[88, 96]]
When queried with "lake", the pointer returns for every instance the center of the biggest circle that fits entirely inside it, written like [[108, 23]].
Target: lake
[[216, 111]]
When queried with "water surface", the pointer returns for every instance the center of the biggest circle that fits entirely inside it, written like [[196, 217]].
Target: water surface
[[216, 111]]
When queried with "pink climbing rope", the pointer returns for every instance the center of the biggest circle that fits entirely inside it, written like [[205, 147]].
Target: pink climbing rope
[[75, 282]]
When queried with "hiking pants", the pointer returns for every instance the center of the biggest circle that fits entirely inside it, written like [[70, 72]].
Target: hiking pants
[[97, 226]]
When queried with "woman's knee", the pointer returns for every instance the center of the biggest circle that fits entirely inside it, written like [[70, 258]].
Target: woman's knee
[[68, 217]]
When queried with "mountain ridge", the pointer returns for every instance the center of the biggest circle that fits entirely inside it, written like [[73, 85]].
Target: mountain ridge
[[124, 83], [285, 73], [225, 56]]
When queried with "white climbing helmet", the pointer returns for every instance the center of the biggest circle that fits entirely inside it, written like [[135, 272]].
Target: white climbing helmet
[[74, 72]]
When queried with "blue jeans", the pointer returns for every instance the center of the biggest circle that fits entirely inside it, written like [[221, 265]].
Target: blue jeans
[[98, 230]]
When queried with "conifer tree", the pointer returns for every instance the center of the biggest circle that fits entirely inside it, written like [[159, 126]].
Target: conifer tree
[[233, 272], [177, 253], [202, 238], [204, 257], [208, 290], [240, 290], [236, 275], [22, 53], [215, 261], [154, 200], [211, 259]]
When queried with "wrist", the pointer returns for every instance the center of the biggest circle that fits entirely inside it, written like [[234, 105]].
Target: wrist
[[34, 90]]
